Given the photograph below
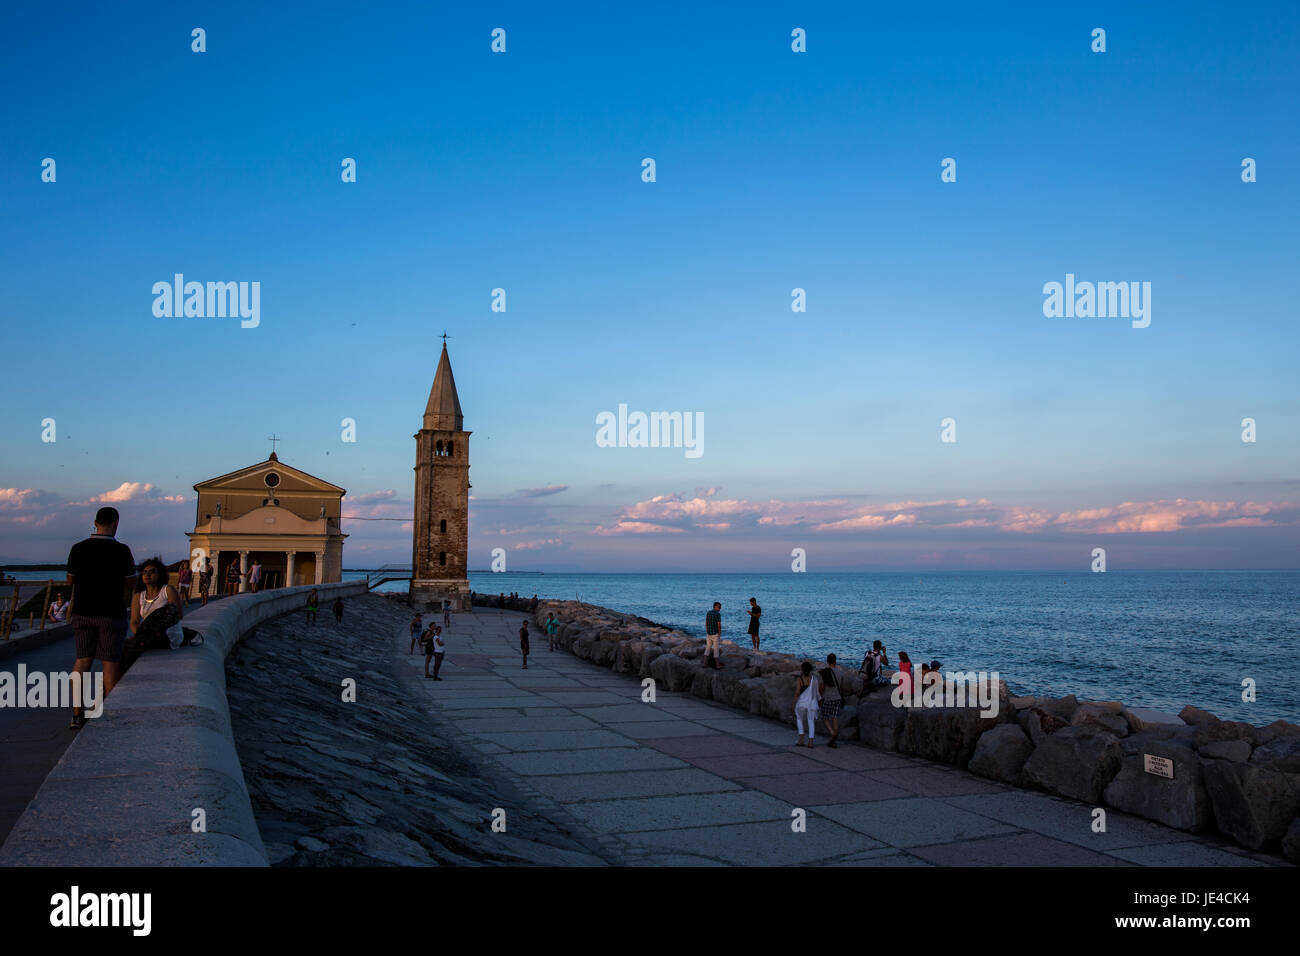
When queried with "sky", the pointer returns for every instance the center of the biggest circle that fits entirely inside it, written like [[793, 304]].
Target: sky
[[775, 170]]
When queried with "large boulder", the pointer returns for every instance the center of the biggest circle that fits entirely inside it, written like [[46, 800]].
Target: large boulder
[[604, 651], [628, 658], [1196, 716], [648, 656], [1278, 728], [1104, 714], [1291, 842], [777, 696], [1075, 762], [1210, 731], [1144, 718], [881, 724], [1000, 754], [732, 688], [1039, 724], [1237, 751], [1281, 753], [702, 685], [673, 673], [946, 734], [1181, 803], [582, 645], [1062, 707], [1252, 804]]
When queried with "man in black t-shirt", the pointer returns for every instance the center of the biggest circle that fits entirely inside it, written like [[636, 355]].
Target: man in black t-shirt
[[755, 612], [101, 570]]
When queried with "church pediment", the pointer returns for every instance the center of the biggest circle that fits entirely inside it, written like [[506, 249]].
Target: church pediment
[[270, 476]]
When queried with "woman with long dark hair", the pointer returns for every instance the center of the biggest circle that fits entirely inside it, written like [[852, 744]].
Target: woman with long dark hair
[[155, 608]]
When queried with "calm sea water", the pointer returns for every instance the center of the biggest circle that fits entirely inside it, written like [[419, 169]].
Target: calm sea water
[[1154, 639], [1149, 638]]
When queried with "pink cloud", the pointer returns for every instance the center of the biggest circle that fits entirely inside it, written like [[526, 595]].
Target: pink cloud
[[706, 511]]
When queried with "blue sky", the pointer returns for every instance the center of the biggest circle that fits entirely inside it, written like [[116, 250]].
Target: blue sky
[[775, 170]]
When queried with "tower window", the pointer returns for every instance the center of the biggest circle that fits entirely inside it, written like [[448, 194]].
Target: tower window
[[442, 526], [442, 557], [437, 449], [451, 448]]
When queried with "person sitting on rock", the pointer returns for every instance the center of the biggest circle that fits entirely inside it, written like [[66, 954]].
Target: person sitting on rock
[[905, 682], [59, 609]]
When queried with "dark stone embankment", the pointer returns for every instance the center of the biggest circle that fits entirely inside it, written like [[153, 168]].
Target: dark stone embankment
[[375, 782]]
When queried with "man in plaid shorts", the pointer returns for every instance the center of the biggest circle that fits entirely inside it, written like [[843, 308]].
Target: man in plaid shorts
[[102, 570]]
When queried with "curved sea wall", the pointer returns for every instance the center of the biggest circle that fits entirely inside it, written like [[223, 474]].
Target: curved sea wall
[[128, 788], [1229, 776]]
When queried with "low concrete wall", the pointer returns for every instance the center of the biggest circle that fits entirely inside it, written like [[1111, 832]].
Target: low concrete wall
[[126, 790]]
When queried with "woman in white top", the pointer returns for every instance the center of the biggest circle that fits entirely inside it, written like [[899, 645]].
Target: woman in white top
[[59, 609], [807, 705], [154, 594]]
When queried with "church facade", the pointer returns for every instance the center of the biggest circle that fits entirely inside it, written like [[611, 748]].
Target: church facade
[[275, 514], [440, 547]]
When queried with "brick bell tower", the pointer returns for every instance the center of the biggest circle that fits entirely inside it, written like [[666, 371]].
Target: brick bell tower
[[439, 562]]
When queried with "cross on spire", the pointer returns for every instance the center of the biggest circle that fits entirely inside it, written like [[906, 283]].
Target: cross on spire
[[273, 440], [444, 338]]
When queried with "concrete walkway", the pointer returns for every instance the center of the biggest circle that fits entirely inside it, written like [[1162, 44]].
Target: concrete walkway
[[684, 781]]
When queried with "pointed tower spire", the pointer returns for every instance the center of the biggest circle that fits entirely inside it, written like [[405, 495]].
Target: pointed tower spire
[[443, 411]]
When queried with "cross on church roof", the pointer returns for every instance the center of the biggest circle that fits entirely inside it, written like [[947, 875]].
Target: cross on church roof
[[444, 337], [273, 440]]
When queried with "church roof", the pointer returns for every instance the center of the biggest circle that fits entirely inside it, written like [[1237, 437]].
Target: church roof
[[443, 411], [250, 477]]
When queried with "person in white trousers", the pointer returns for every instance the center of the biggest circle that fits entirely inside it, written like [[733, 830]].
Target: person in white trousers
[[806, 705]]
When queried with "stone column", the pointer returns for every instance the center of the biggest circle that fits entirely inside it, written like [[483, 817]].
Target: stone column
[[243, 570], [215, 585], [290, 557], [320, 566]]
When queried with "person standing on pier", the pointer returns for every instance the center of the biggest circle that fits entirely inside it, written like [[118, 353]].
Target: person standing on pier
[[713, 635], [552, 629], [523, 642], [807, 701], [184, 581], [313, 605], [832, 699], [100, 569], [255, 575], [205, 581], [233, 575], [446, 613], [417, 629], [755, 612]]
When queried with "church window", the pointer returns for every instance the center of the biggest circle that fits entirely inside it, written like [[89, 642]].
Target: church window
[[450, 448], [442, 526], [442, 557], [438, 448]]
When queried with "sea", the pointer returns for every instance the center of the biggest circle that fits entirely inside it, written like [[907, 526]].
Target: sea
[[1158, 639]]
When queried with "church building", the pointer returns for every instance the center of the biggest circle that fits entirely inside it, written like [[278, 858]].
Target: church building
[[440, 558], [272, 513]]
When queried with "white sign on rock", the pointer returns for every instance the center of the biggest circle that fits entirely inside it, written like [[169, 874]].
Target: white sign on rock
[[1160, 766]]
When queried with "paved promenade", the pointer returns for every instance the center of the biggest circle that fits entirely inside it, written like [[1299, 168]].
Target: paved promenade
[[684, 781]]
